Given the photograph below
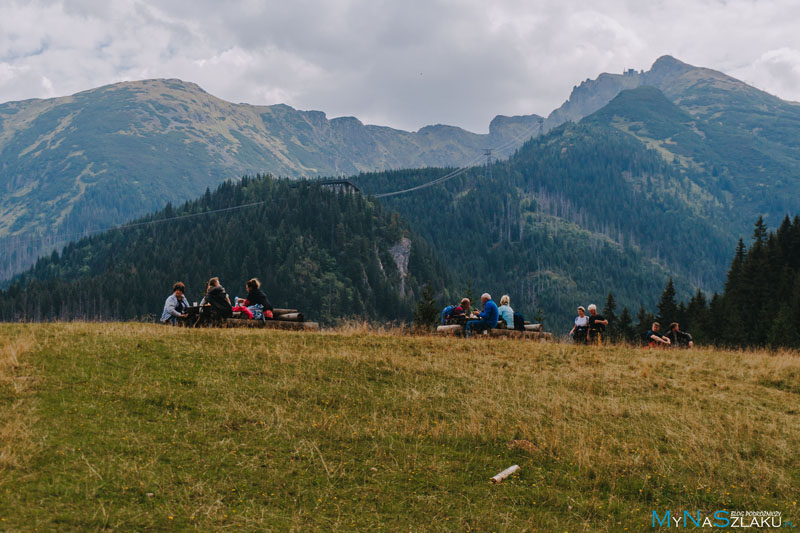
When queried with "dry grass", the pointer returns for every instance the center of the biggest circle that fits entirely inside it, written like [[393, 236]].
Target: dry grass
[[366, 429], [16, 414]]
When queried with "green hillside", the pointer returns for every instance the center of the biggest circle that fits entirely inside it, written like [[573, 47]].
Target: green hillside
[[755, 174], [329, 254], [104, 156], [744, 140], [581, 211], [132, 427]]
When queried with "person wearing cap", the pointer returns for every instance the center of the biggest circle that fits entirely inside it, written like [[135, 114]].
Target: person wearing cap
[[580, 330], [487, 319]]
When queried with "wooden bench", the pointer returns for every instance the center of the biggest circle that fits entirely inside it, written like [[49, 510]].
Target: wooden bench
[[271, 324], [532, 331], [527, 334]]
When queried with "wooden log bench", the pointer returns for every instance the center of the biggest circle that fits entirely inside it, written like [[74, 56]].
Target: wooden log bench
[[532, 331], [289, 319], [527, 334], [271, 324], [453, 329]]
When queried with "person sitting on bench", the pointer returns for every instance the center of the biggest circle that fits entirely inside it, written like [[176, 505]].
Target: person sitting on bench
[[458, 315], [506, 313], [654, 339], [217, 301], [488, 317], [678, 338], [175, 306], [256, 301]]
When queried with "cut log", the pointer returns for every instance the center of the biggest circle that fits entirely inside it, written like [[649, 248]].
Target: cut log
[[533, 327], [527, 334], [290, 317], [453, 329], [272, 324], [504, 474]]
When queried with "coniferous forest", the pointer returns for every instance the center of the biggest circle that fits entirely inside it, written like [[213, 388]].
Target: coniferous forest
[[330, 254], [574, 214], [756, 309], [338, 254]]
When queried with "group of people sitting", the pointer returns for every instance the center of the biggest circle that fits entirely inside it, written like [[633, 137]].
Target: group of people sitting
[[491, 316], [589, 329], [674, 337], [216, 303]]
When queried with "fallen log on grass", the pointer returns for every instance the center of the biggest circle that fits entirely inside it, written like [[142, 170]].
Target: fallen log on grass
[[504, 474]]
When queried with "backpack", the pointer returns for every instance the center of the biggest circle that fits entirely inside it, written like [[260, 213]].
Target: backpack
[[519, 322], [446, 313]]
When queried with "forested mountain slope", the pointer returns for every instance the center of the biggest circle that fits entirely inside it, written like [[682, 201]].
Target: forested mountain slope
[[329, 254], [746, 140], [104, 156], [581, 211]]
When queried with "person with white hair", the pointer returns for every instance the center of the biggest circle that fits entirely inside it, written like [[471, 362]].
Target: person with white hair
[[506, 313], [579, 331], [597, 326], [487, 318]]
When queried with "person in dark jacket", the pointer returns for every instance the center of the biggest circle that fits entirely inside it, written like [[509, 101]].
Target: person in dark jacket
[[678, 338], [256, 301], [217, 299], [654, 339]]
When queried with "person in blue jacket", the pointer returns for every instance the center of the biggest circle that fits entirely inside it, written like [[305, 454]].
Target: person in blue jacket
[[488, 317]]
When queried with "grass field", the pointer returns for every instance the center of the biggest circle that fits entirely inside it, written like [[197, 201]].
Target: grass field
[[141, 427]]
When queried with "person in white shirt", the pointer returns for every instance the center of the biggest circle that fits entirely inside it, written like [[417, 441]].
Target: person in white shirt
[[581, 327]]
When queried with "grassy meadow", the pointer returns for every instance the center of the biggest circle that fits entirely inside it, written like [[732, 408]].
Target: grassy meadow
[[142, 427]]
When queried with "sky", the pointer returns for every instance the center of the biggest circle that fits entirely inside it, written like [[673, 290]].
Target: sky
[[404, 63]]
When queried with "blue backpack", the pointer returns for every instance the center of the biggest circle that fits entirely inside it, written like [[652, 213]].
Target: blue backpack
[[446, 313]]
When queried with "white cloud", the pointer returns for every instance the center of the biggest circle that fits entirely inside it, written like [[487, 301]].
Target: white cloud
[[404, 64]]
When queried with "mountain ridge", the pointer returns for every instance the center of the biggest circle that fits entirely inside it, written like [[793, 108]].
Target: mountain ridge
[[103, 156]]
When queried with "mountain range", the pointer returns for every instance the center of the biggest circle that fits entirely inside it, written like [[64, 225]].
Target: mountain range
[[637, 178], [100, 157]]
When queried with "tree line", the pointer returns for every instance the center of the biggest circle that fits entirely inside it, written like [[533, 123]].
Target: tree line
[[756, 308], [327, 253]]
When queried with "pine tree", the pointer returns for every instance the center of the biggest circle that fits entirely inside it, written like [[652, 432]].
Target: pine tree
[[625, 328], [470, 294], [697, 318], [667, 308], [644, 322], [610, 314], [427, 312], [784, 332], [760, 232]]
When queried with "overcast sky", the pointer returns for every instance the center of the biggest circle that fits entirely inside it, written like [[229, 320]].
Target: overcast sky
[[404, 63]]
